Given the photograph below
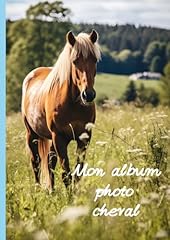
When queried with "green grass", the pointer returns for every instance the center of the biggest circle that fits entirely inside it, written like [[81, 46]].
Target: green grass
[[113, 86], [33, 214]]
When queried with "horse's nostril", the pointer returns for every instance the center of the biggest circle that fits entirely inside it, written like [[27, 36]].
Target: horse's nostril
[[89, 95]]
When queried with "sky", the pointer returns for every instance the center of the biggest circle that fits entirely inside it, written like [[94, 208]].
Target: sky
[[154, 13]]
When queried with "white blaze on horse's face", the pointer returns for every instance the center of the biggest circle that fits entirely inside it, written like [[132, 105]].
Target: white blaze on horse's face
[[84, 70]]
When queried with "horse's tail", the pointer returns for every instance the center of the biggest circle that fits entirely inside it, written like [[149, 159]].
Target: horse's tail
[[43, 149]]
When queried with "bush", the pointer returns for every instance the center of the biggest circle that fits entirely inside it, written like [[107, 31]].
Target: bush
[[148, 95], [101, 99], [130, 93], [166, 85], [156, 64]]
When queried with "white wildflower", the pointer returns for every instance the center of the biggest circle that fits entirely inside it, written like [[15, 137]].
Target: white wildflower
[[41, 235], [10, 225], [136, 150], [146, 179], [121, 130], [152, 118], [165, 137], [162, 116], [154, 196], [72, 213], [101, 143], [168, 194], [29, 226], [139, 179], [161, 234], [84, 136], [160, 124], [142, 225], [162, 187], [142, 154], [145, 201], [168, 191], [155, 145], [101, 163], [89, 126]]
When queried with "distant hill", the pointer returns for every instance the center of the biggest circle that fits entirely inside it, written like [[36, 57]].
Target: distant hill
[[128, 49], [119, 37]]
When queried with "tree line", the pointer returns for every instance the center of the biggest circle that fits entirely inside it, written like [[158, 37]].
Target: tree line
[[125, 49]]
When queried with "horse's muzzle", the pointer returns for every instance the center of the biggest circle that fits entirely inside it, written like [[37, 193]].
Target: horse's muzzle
[[87, 96]]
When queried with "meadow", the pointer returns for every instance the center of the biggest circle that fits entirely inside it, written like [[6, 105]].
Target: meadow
[[113, 86], [141, 137]]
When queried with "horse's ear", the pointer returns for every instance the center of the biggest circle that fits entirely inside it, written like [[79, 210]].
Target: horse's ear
[[93, 36], [70, 38]]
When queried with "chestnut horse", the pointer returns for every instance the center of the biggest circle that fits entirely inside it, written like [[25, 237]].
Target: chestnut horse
[[57, 104]]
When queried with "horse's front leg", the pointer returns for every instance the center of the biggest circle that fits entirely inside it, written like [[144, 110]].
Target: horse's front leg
[[81, 154], [60, 144]]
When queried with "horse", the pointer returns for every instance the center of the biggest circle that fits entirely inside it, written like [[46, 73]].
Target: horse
[[57, 104]]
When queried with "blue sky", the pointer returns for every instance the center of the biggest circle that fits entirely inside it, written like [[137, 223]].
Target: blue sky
[[143, 12]]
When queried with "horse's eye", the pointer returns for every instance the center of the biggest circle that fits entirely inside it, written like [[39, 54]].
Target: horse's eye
[[95, 59]]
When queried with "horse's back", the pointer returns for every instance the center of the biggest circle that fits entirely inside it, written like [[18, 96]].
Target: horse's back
[[38, 74], [34, 78]]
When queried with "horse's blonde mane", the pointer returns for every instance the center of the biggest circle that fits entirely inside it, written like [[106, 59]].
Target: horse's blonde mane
[[62, 68]]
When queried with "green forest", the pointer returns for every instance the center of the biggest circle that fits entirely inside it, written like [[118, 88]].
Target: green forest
[[38, 40]]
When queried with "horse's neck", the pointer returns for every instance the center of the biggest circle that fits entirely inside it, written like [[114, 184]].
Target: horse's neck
[[65, 94]]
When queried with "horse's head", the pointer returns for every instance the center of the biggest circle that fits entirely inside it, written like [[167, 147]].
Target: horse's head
[[84, 55]]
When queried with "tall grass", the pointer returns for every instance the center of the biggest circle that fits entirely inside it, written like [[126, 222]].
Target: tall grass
[[32, 213]]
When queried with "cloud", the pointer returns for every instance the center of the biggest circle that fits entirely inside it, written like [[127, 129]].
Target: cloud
[[13, 10], [146, 12]]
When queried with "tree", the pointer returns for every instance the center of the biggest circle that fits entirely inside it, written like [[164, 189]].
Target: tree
[[21, 60], [154, 49], [130, 62], [32, 46], [48, 10], [130, 93], [138, 65], [166, 85], [108, 63], [168, 52], [125, 55], [156, 64], [141, 93]]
